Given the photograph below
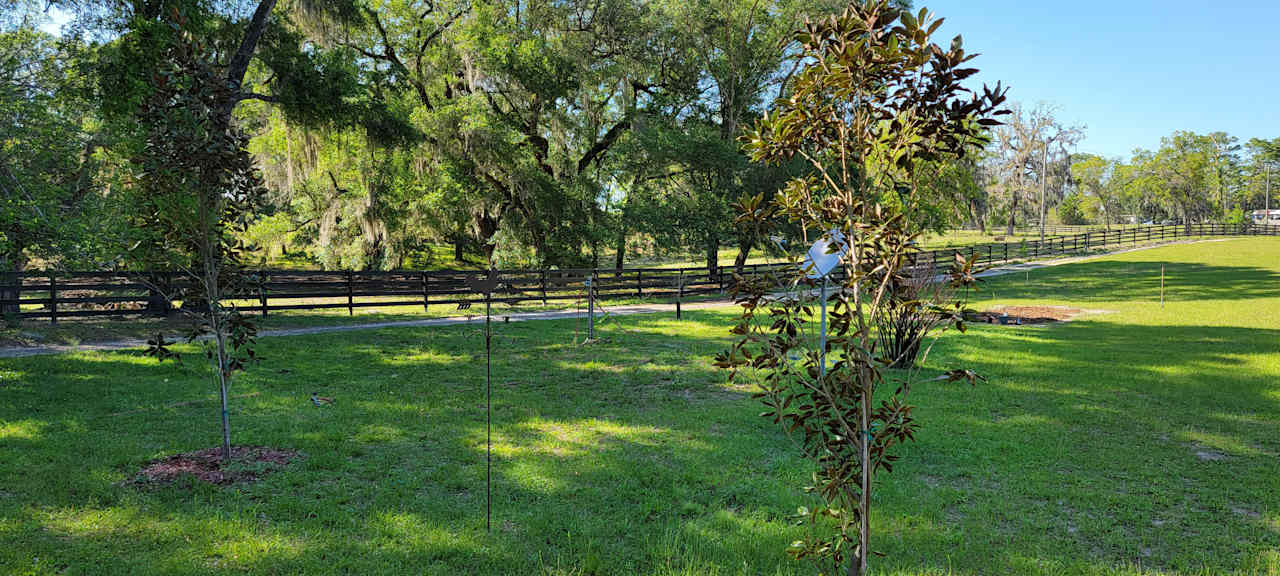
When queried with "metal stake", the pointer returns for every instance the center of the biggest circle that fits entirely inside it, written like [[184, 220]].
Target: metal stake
[[822, 338], [488, 415]]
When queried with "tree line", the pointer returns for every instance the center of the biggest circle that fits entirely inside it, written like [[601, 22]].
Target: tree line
[[1031, 174], [378, 134]]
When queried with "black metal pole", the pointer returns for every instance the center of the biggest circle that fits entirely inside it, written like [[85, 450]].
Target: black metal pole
[[488, 415], [679, 293]]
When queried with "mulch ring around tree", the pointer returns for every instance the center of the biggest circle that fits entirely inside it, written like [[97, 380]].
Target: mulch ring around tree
[[248, 464], [1023, 315]]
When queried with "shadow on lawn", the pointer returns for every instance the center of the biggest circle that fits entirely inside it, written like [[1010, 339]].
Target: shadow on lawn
[[630, 455], [1114, 281], [1110, 443]]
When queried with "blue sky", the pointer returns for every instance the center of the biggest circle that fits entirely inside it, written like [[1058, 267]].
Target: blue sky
[[1131, 71]]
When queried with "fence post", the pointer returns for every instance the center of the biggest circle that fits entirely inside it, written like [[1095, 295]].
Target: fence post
[[426, 289], [351, 308], [53, 298], [639, 283], [544, 286], [10, 294], [262, 294], [679, 293]]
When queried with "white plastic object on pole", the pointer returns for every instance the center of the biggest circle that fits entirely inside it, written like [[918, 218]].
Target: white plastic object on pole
[[822, 258]]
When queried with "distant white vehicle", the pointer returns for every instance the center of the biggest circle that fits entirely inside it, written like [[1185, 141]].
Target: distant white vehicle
[[1271, 217]]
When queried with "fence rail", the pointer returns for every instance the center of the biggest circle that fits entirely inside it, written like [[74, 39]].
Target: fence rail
[[56, 295]]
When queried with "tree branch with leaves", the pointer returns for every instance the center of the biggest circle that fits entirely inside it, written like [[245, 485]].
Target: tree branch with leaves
[[875, 99]]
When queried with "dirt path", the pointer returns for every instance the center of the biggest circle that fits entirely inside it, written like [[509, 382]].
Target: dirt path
[[20, 352], [45, 349]]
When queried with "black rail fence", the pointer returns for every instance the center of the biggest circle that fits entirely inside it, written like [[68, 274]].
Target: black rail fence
[[56, 295]]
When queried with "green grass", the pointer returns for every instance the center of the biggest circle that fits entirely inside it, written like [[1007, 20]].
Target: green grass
[[633, 456]]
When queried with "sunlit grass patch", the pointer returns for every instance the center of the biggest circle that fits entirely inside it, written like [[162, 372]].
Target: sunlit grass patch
[[1141, 441]]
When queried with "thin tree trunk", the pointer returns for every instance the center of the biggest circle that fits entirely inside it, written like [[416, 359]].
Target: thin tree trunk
[[744, 250], [713, 253], [459, 244], [620, 245], [224, 378], [864, 532], [978, 217], [1013, 211]]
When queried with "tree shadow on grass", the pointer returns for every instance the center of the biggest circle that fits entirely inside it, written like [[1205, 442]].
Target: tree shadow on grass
[[631, 456], [602, 453], [1105, 443]]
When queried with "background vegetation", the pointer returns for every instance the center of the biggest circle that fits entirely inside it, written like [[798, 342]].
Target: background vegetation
[[410, 133]]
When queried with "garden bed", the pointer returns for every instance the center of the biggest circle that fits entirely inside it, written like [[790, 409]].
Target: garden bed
[[1022, 315], [248, 464]]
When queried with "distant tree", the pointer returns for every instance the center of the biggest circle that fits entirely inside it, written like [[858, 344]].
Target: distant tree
[[1031, 155], [1092, 174], [1181, 171], [1225, 171], [1263, 171], [1070, 211]]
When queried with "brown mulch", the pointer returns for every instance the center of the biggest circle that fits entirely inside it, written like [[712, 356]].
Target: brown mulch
[[248, 463], [1022, 315]]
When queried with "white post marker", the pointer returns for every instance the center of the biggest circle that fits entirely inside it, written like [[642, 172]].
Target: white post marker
[[823, 257]]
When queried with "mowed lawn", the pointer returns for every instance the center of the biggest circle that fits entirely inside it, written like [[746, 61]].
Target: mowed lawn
[[1138, 439]]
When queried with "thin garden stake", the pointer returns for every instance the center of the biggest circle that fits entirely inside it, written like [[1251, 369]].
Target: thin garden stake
[[1162, 285], [486, 286], [488, 416]]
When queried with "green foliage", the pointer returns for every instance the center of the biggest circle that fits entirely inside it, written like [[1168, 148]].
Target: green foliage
[[876, 101], [47, 150], [1071, 210]]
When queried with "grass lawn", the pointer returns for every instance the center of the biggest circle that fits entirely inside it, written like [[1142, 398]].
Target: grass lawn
[[1136, 440]]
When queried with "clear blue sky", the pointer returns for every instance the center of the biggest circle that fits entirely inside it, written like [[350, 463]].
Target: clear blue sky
[[1131, 71]]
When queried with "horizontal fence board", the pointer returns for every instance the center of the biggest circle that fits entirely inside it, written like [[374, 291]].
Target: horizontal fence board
[[74, 293]]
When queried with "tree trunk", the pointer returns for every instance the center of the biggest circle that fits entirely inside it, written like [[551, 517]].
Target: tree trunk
[[486, 227], [858, 565], [158, 291], [11, 282], [459, 245], [713, 253], [744, 250], [1013, 211], [978, 217], [620, 245]]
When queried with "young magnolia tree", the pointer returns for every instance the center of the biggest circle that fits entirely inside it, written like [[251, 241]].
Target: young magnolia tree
[[876, 99], [198, 191]]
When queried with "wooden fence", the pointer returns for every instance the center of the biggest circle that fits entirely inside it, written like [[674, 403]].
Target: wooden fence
[[56, 295]]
